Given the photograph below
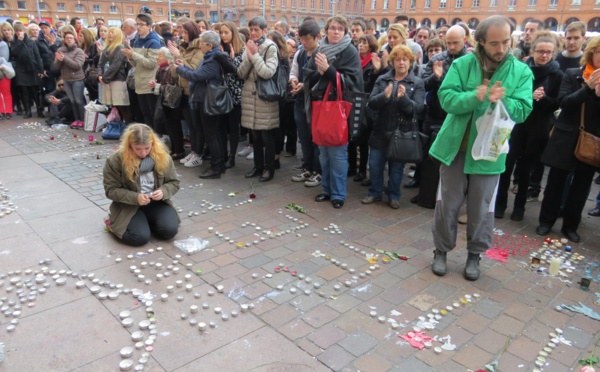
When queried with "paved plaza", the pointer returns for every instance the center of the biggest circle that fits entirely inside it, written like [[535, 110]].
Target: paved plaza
[[275, 289]]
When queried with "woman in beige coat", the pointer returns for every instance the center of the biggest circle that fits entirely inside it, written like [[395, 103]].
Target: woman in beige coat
[[259, 59]]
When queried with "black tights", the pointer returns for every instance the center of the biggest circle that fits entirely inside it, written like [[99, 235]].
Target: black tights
[[157, 217]]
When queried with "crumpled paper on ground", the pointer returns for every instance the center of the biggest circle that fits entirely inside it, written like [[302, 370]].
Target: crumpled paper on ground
[[416, 339]]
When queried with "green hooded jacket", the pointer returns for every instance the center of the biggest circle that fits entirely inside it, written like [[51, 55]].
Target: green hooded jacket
[[458, 98]]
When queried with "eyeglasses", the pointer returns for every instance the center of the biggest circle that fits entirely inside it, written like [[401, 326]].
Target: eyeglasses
[[544, 52], [334, 29], [140, 24]]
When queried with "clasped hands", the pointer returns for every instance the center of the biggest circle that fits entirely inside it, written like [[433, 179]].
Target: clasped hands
[[145, 199]]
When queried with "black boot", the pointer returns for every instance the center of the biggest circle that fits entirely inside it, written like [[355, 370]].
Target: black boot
[[472, 267], [40, 113], [438, 266], [230, 163], [27, 113]]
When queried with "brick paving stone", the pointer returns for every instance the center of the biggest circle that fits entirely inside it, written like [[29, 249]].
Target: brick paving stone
[[306, 268], [231, 271], [441, 290], [432, 359], [280, 315], [327, 335], [525, 349], [378, 304], [396, 295], [358, 343], [335, 357], [583, 322], [295, 329], [412, 364], [565, 355], [252, 261], [365, 291], [279, 252], [489, 309], [344, 303], [320, 315], [372, 362], [330, 272], [535, 299], [574, 295], [224, 259], [504, 296], [246, 252], [507, 325], [490, 341], [309, 347], [578, 337], [262, 305], [352, 321], [423, 301], [472, 357], [255, 290], [473, 322], [554, 366], [413, 284], [306, 303], [510, 362], [554, 318], [521, 311], [459, 336]]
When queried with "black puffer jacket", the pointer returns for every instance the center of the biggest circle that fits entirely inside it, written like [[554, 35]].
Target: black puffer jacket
[[390, 111], [47, 51], [113, 65], [435, 114], [559, 152]]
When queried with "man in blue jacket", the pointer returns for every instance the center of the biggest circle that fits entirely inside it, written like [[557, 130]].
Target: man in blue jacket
[[473, 82]]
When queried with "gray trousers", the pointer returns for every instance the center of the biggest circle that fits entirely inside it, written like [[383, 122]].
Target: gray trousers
[[480, 193]]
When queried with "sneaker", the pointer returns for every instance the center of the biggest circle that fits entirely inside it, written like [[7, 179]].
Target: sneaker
[[80, 124], [314, 180], [533, 194], [302, 177], [187, 158], [250, 156], [195, 161], [74, 125], [246, 151]]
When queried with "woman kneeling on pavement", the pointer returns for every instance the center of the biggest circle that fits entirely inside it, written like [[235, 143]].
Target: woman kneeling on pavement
[[398, 96], [140, 179]]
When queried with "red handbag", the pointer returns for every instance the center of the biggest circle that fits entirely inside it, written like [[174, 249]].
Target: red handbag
[[330, 118]]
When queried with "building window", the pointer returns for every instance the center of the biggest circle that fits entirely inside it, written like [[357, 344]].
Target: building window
[[373, 4], [293, 4], [42, 6], [386, 4], [312, 4], [21, 5], [532, 3], [398, 4], [303, 4], [272, 17], [79, 8], [113, 9], [159, 11], [60, 7], [129, 9], [412, 4], [427, 4], [458, 4], [272, 3], [96, 8], [322, 5], [283, 3], [493, 3], [2, 5], [512, 3], [576, 2], [443, 4], [114, 23], [293, 18], [475, 3]]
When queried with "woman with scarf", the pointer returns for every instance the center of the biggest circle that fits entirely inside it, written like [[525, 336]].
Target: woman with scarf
[[259, 59], [140, 179], [528, 140], [579, 98], [210, 71], [334, 55]]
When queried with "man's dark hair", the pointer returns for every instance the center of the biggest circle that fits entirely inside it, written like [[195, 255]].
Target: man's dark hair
[[359, 23], [369, 25], [492, 21], [429, 30], [400, 18], [539, 23], [74, 20], [147, 19], [99, 19], [311, 28], [309, 18], [258, 21]]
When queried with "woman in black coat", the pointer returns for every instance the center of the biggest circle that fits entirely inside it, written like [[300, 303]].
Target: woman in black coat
[[28, 67], [528, 140], [580, 102]]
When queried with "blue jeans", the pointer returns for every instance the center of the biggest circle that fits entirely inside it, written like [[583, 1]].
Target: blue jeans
[[334, 164], [310, 152], [74, 90], [377, 160]]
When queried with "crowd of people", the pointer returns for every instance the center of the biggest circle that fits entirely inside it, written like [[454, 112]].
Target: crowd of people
[[443, 80]]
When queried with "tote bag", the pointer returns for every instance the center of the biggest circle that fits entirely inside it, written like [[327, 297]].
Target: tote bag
[[330, 118]]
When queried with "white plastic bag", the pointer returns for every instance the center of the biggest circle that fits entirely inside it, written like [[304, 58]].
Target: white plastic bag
[[493, 130], [191, 244], [96, 106], [94, 121]]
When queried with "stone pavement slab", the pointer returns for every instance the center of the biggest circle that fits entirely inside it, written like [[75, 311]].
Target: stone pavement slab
[[342, 315]]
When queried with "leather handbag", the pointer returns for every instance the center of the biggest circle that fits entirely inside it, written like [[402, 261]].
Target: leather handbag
[[274, 88], [330, 118], [113, 130], [588, 146], [217, 100], [172, 95], [406, 146]]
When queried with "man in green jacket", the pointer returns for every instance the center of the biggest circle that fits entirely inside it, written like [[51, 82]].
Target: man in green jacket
[[491, 73]]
